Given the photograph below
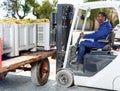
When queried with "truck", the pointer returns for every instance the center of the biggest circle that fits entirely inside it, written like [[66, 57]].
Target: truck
[[101, 66]]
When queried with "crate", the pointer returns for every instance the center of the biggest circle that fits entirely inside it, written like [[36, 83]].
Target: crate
[[43, 35], [32, 36], [25, 38], [20, 37], [7, 37]]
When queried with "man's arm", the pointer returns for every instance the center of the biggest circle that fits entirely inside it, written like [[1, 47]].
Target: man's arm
[[102, 32]]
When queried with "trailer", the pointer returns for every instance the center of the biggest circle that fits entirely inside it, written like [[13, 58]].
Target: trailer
[[38, 64], [26, 47]]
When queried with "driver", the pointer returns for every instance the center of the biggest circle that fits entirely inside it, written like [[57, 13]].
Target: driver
[[104, 29]]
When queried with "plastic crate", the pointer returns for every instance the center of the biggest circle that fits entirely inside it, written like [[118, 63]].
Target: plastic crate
[[25, 38], [7, 37], [31, 35], [43, 35]]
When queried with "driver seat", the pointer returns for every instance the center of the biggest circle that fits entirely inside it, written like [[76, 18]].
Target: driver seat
[[109, 42]]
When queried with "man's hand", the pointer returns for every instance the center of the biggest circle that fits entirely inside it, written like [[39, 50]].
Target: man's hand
[[82, 35]]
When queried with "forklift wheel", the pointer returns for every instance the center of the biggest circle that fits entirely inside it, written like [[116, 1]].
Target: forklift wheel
[[40, 72], [64, 78]]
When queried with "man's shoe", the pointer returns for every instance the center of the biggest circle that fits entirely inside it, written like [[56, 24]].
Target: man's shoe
[[75, 63], [74, 60]]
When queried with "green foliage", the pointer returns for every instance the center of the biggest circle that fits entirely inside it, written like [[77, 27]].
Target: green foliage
[[16, 8], [116, 22], [30, 2], [44, 10], [20, 9], [92, 0], [36, 9]]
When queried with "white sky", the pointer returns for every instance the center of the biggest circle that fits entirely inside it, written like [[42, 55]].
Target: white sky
[[2, 12], [70, 1]]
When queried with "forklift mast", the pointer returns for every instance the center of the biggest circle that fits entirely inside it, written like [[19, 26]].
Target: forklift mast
[[64, 17], [53, 25]]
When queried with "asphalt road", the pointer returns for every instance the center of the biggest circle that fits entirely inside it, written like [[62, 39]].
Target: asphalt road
[[21, 81]]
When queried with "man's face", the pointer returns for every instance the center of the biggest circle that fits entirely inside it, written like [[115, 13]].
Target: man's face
[[100, 18]]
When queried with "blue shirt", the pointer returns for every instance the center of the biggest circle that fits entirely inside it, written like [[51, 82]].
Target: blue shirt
[[104, 29]]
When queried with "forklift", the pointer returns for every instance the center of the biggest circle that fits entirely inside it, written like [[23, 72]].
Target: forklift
[[101, 67]]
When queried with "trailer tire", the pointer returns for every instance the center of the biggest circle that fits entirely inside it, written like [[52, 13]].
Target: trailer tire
[[40, 72], [64, 78], [3, 75]]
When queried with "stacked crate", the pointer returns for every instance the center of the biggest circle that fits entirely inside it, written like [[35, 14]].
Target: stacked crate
[[25, 37], [20, 35], [7, 35], [17, 37], [43, 35]]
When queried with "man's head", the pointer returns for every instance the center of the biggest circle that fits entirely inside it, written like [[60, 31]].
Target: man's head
[[101, 17]]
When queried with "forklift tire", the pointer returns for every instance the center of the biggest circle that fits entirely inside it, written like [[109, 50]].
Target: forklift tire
[[40, 72], [64, 78]]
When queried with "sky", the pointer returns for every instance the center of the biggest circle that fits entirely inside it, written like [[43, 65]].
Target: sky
[[2, 12]]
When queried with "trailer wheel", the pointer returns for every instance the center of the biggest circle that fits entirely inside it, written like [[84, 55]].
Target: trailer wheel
[[3, 75], [64, 78], [40, 72]]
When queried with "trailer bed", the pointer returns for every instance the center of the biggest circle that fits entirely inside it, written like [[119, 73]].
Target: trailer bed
[[25, 58]]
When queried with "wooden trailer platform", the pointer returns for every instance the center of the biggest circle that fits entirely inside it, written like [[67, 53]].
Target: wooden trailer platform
[[34, 58], [25, 58]]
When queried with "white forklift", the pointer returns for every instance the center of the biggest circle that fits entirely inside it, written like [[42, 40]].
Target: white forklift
[[101, 67]]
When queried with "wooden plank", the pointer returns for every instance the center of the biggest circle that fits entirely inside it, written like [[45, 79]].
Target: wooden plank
[[25, 58]]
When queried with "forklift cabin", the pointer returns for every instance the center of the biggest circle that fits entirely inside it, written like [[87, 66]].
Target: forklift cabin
[[101, 67]]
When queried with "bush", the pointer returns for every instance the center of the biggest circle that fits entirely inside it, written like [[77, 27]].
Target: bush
[[115, 22]]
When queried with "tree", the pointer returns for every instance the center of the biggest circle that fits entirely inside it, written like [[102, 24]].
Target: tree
[[21, 8], [44, 10], [36, 10], [17, 8]]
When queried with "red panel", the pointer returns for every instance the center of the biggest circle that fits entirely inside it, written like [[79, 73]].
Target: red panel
[[0, 53]]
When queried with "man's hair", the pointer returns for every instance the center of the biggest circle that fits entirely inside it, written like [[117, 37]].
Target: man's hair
[[103, 14]]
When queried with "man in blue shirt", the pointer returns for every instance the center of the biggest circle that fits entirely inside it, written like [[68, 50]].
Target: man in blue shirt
[[104, 29]]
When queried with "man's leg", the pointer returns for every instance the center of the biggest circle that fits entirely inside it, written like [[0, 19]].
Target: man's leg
[[83, 46], [82, 49], [81, 52]]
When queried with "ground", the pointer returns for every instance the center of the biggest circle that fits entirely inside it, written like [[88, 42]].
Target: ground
[[21, 81]]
